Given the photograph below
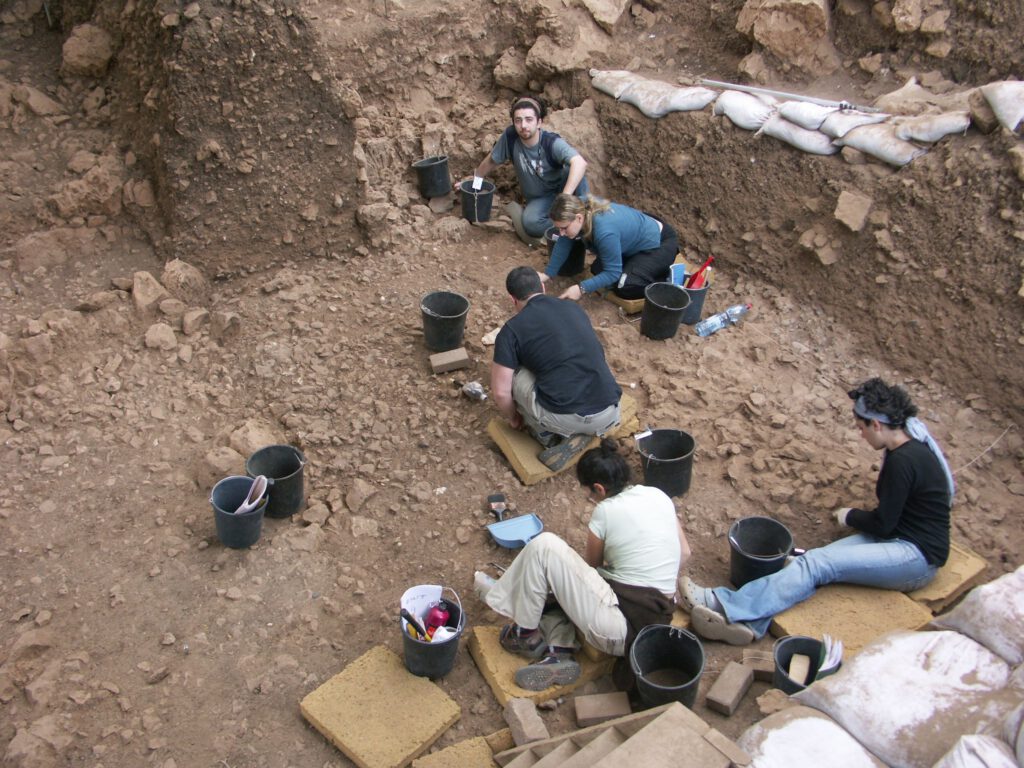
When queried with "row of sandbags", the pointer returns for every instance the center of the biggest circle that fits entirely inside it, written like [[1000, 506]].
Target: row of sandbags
[[814, 128]]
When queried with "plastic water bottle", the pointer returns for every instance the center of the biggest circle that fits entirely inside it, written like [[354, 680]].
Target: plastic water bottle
[[731, 316]]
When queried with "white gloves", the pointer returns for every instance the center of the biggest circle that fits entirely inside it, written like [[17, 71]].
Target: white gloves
[[841, 514]]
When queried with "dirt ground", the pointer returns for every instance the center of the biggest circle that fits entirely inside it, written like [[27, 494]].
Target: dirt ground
[[254, 158]]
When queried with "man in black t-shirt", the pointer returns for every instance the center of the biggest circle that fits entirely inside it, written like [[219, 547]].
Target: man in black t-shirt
[[549, 372]]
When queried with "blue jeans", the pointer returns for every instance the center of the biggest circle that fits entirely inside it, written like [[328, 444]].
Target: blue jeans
[[535, 214], [859, 559]]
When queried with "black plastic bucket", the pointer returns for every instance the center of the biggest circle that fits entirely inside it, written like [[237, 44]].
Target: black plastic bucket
[[432, 176], [667, 459], [664, 304], [429, 659], [784, 650], [693, 311], [667, 662], [759, 546], [283, 467], [476, 203], [444, 320], [236, 531]]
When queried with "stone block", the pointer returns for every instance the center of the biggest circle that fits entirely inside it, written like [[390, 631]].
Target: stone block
[[599, 707], [377, 713], [728, 690], [852, 209], [451, 360], [524, 721]]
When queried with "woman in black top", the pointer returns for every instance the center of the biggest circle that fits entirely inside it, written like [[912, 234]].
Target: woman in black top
[[898, 545]]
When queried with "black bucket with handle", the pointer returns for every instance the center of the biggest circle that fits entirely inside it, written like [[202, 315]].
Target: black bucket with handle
[[758, 547], [282, 465], [667, 459], [433, 658], [476, 203], [432, 176], [664, 305], [237, 531], [444, 320], [668, 663]]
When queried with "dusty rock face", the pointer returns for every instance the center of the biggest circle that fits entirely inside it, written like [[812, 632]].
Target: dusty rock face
[[794, 31], [87, 51], [510, 71], [37, 102], [53, 247], [606, 12], [147, 293], [99, 191]]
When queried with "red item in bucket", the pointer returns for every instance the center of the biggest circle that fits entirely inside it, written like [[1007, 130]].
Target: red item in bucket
[[437, 616], [697, 278]]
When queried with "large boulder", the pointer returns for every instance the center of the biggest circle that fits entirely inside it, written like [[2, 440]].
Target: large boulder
[[796, 32], [87, 51]]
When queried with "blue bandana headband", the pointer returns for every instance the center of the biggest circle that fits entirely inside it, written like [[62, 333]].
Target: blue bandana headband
[[861, 409], [916, 429]]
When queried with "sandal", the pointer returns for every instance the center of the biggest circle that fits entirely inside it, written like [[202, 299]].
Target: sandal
[[690, 595], [714, 626]]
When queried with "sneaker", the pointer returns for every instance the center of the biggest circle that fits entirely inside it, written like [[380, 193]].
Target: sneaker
[[482, 584], [551, 670], [557, 456], [525, 642]]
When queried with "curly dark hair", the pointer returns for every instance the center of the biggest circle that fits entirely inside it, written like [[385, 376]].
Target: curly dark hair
[[890, 400], [604, 465]]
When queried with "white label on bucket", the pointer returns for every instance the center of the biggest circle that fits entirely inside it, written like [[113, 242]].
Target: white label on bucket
[[478, 182], [641, 435]]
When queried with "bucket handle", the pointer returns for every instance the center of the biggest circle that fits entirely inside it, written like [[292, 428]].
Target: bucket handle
[[458, 602]]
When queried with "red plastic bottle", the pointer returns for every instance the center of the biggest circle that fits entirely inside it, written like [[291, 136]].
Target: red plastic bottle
[[437, 616]]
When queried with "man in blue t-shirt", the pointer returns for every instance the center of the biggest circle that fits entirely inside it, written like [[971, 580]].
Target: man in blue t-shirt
[[549, 372], [545, 166]]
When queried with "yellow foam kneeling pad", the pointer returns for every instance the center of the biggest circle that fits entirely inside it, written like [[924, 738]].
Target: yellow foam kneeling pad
[[378, 713], [498, 667]]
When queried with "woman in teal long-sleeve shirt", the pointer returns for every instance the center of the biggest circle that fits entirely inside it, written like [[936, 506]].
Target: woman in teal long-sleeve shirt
[[633, 249]]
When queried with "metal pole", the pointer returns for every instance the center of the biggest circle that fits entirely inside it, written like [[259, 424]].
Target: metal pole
[[791, 96]]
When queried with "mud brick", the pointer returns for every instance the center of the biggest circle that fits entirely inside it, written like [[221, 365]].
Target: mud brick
[[451, 360], [524, 722], [598, 707], [727, 692], [761, 663]]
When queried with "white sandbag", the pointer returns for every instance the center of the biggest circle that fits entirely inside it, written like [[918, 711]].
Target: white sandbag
[[801, 736], [842, 121], [656, 99], [931, 128], [742, 109], [815, 142], [1007, 100], [805, 114], [612, 81], [975, 751], [880, 142], [908, 696], [992, 614]]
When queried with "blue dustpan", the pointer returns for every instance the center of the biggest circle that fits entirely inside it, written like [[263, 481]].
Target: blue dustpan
[[516, 531]]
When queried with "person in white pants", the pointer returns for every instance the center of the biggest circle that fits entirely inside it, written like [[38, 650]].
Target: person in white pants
[[625, 580]]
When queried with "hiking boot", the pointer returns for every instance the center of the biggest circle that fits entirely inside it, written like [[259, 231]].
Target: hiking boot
[[524, 642], [553, 669], [482, 584], [557, 456]]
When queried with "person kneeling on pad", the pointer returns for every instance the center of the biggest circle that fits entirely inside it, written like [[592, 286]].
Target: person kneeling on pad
[[549, 373], [625, 581], [900, 544], [633, 249], [545, 165]]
